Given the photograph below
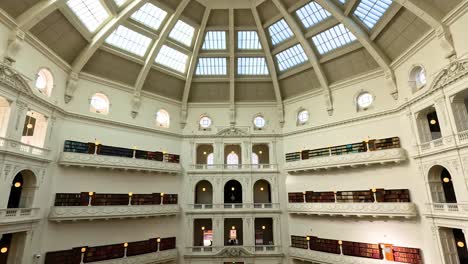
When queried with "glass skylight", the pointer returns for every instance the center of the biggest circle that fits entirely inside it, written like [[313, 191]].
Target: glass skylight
[[129, 40], [370, 11], [291, 57], [211, 66], [183, 33], [90, 12], [215, 40], [120, 2], [279, 32], [252, 66], [248, 40], [333, 38], [172, 59], [150, 15], [311, 14]]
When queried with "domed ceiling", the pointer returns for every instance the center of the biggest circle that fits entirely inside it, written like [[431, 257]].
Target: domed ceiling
[[228, 50]]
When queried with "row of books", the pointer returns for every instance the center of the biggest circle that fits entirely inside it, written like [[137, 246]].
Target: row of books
[[371, 145], [107, 252], [107, 199], [90, 148], [364, 196], [358, 249]]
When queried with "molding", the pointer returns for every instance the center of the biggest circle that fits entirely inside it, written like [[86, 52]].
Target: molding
[[227, 169], [231, 209], [406, 210], [328, 258], [234, 251], [111, 162], [150, 258], [18, 216], [74, 213], [348, 160], [451, 211]]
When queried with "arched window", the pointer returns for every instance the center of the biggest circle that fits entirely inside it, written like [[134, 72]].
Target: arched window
[[210, 159], [417, 78], [99, 104], [44, 81], [255, 159], [364, 100], [162, 118], [259, 122], [232, 160], [205, 122]]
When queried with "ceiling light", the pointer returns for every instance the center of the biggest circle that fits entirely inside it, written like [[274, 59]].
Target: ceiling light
[[433, 122], [204, 152], [460, 244], [232, 189], [202, 228], [203, 189], [260, 152], [261, 189], [17, 184], [263, 227], [29, 126], [233, 227], [446, 180], [4, 250]]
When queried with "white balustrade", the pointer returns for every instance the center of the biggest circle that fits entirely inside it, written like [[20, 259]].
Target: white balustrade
[[232, 167], [463, 136], [12, 215], [199, 208], [445, 210], [438, 143], [10, 145], [227, 250]]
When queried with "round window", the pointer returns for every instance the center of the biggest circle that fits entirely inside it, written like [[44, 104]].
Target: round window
[[162, 118], [205, 122], [365, 100], [99, 103], [421, 77], [303, 116], [259, 122]]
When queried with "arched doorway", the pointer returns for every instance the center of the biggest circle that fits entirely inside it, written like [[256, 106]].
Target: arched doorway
[[203, 194], [22, 190], [262, 194], [233, 194], [441, 185]]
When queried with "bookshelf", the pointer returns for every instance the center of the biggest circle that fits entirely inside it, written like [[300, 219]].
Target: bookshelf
[[355, 197], [324, 245], [296, 197], [167, 243], [104, 252], [299, 242], [362, 196], [170, 199], [142, 247], [72, 256], [78, 147], [364, 250], [407, 255], [319, 197], [109, 199]]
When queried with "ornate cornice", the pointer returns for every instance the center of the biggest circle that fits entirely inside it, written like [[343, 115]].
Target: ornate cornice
[[73, 213], [14, 80], [391, 210], [450, 74]]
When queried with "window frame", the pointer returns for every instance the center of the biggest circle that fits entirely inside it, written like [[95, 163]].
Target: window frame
[[208, 127], [93, 109], [160, 124], [49, 81], [358, 95], [298, 113], [256, 127], [414, 74]]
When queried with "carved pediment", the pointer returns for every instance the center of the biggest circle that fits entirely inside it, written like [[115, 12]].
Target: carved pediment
[[232, 132], [13, 79], [233, 252], [456, 70]]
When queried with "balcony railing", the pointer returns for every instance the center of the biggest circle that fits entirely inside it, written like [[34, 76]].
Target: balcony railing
[[206, 168], [463, 136], [447, 210], [17, 147], [247, 250], [11, 215], [437, 144], [210, 208]]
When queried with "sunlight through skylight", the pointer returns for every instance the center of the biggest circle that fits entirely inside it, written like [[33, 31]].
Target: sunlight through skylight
[[311, 14], [211, 66], [129, 40], [183, 33], [248, 40], [279, 32], [120, 2], [333, 38], [291, 57], [172, 59], [252, 66], [90, 12], [370, 11], [215, 40], [150, 15]]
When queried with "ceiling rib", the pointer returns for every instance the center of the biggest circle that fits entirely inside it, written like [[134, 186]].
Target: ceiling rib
[[364, 39], [232, 71], [271, 64], [93, 46], [153, 53], [193, 65], [313, 59], [36, 13], [433, 17]]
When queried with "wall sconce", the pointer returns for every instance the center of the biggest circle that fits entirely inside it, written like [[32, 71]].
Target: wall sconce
[[164, 152], [202, 228], [3, 250], [433, 122], [162, 194], [374, 190], [130, 194], [263, 227], [446, 180], [340, 242], [83, 250], [134, 147], [260, 152], [97, 143], [304, 193], [203, 189], [17, 184], [204, 152], [233, 227], [158, 240], [232, 152], [125, 244], [308, 238], [261, 189], [232, 189], [29, 126], [91, 193], [460, 244]]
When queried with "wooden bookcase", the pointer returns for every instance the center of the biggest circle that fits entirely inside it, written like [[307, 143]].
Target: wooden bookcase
[[104, 252], [296, 197], [299, 242], [407, 255], [320, 197], [142, 247], [72, 256], [363, 250], [324, 245], [167, 243]]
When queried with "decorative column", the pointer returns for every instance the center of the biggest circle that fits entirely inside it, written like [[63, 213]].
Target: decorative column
[[436, 236], [444, 122], [218, 152], [272, 152], [276, 231], [248, 229], [460, 117], [246, 152], [50, 128], [193, 152], [189, 234], [218, 231], [18, 113]]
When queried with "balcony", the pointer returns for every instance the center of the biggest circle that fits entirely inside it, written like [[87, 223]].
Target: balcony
[[74, 213], [150, 258], [234, 251], [391, 210], [442, 143], [447, 211], [18, 148], [238, 168], [12, 216], [233, 208], [329, 258]]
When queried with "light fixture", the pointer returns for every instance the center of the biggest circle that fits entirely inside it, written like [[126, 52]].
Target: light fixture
[[340, 242], [162, 194], [263, 227], [91, 193], [164, 152], [460, 244], [433, 122], [125, 244], [304, 193], [446, 180], [83, 250], [203, 189], [130, 194], [233, 227], [261, 189], [374, 190], [17, 184], [308, 238], [260, 152], [97, 142], [202, 228], [134, 147], [29, 126], [232, 152], [158, 240], [204, 152], [232, 188], [3, 250]]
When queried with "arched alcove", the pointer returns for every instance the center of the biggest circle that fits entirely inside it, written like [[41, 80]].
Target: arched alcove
[[441, 185], [233, 192], [203, 153], [262, 193], [203, 193], [22, 190]]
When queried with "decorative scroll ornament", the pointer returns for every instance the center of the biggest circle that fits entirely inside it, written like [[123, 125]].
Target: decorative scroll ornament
[[72, 83], [136, 103], [232, 132], [234, 252], [13, 79], [455, 71]]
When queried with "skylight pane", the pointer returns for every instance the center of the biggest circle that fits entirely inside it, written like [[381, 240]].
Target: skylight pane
[[248, 40], [150, 15], [120, 2], [172, 59], [333, 38], [211, 66], [342, 1], [90, 12], [279, 32], [370, 11], [252, 66], [311, 14], [183, 33], [291, 57], [215, 40], [129, 40]]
